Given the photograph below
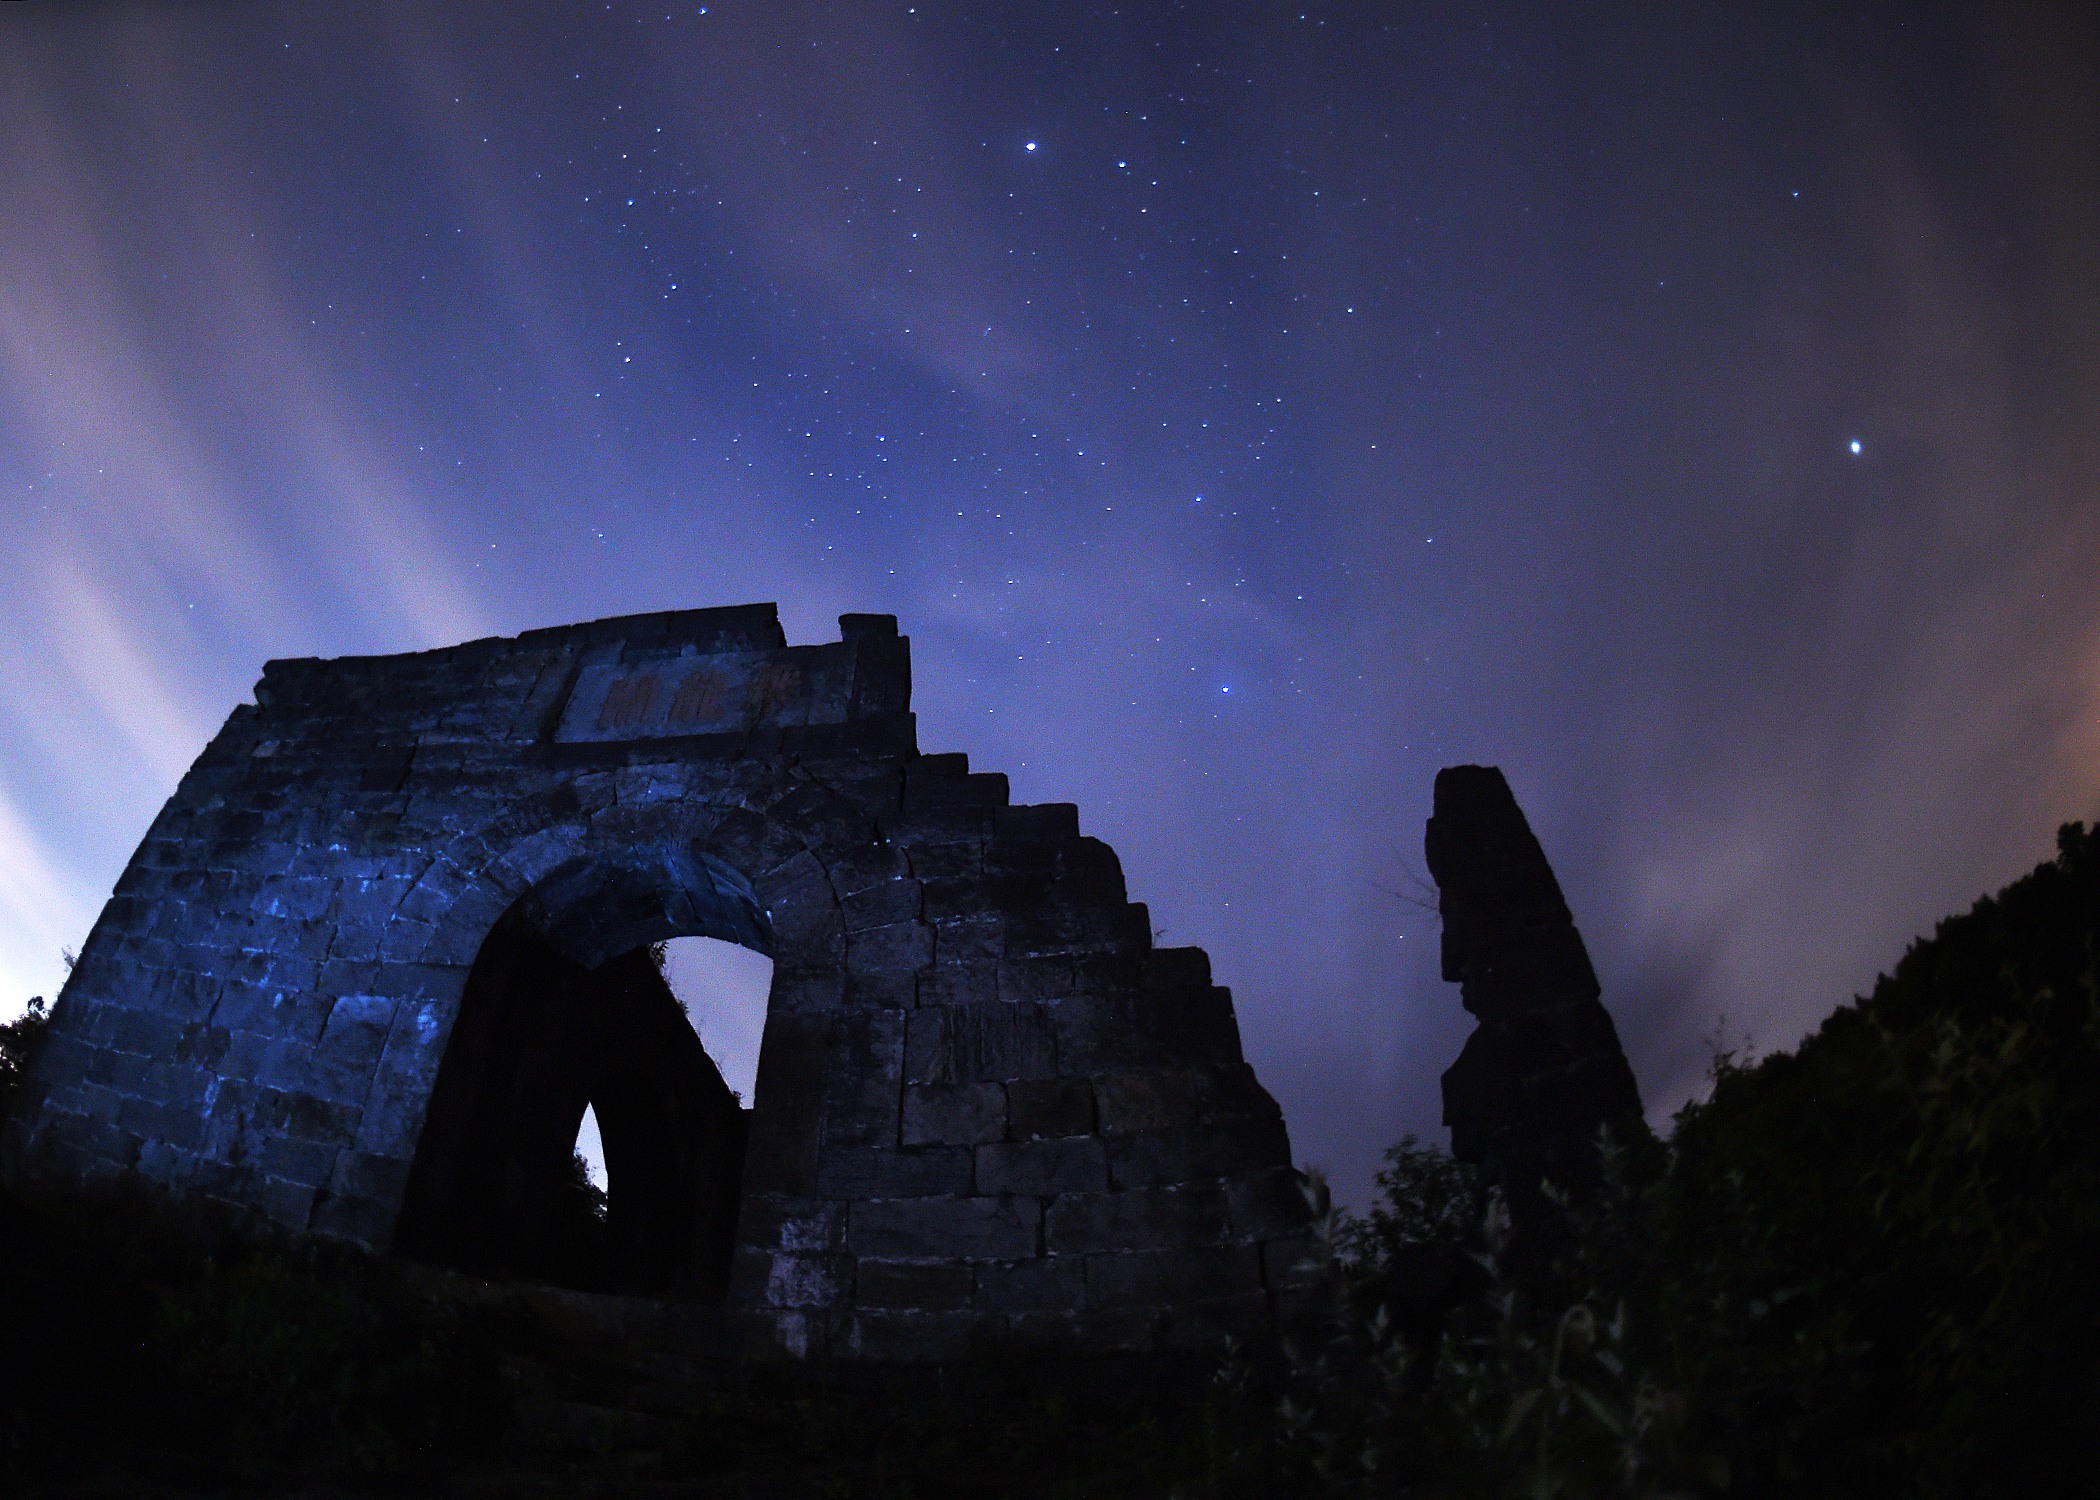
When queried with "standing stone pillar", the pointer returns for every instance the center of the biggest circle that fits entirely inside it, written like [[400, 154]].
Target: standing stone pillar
[[1543, 1072]]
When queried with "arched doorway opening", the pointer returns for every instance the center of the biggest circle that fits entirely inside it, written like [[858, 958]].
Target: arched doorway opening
[[724, 988], [544, 1034]]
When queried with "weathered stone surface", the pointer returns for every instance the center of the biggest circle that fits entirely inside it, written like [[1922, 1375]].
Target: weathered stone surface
[[928, 1286], [1044, 1107], [1543, 1073], [956, 1229], [885, 1172], [961, 1114], [1157, 1218], [1044, 1168], [1043, 1284], [383, 945]]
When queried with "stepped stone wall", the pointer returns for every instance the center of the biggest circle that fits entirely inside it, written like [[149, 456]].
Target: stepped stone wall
[[985, 1101]]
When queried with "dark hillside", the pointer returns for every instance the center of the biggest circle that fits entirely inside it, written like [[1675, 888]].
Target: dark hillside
[[1922, 1176], [1869, 1266]]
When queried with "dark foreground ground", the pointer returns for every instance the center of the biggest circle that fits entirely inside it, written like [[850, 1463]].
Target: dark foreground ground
[[1866, 1267], [147, 1356]]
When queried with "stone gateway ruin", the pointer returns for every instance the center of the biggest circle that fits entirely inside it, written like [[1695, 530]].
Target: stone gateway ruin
[[390, 938]]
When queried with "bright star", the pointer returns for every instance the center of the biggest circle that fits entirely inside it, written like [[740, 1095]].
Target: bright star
[[1029, 147], [1855, 445]]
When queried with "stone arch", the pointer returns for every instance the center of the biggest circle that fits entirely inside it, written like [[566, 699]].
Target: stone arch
[[485, 1190], [538, 1039], [985, 1102]]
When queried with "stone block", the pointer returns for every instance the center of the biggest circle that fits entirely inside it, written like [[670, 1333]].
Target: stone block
[[102, 1142], [958, 983], [928, 1286], [900, 948], [1182, 1275], [959, 899], [307, 1163], [956, 861], [1158, 1218], [881, 676], [124, 1072], [799, 1224], [807, 1280], [147, 1033], [880, 991], [1177, 969], [862, 864], [1228, 1147], [365, 1222], [960, 1114], [279, 1061], [1090, 875], [1109, 1028], [300, 898], [1047, 1107], [956, 1229], [864, 1069], [404, 939], [979, 1043], [433, 896], [1045, 822], [977, 939], [94, 1101], [819, 817], [368, 1176], [89, 1024], [1036, 976], [786, 1134], [931, 790], [404, 981], [802, 906], [393, 1109], [892, 901], [895, 1335], [179, 1084], [1045, 1283], [1264, 1204], [807, 990], [305, 1117], [169, 1123], [202, 1045], [351, 1042], [1077, 1164], [889, 1172], [1164, 1098]]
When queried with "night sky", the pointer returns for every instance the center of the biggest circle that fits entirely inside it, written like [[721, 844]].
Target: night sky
[[1247, 409]]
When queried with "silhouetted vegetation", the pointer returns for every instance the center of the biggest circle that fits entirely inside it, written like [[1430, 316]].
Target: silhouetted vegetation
[[1863, 1267], [19, 1040]]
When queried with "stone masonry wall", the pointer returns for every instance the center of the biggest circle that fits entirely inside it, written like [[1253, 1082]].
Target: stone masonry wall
[[984, 1099]]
